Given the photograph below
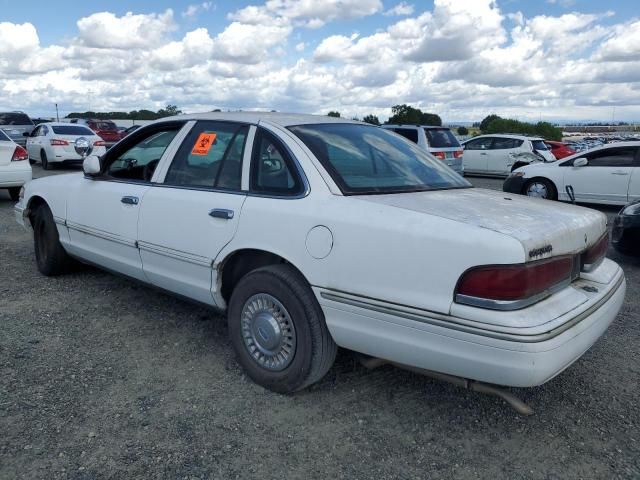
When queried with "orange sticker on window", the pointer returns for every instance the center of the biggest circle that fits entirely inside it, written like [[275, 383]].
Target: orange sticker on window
[[203, 143]]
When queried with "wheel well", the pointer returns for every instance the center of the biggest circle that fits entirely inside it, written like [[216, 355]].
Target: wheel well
[[241, 262], [550, 182], [34, 203]]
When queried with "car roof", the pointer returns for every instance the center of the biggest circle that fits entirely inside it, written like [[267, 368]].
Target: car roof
[[61, 124], [506, 135], [277, 118], [411, 125], [598, 148]]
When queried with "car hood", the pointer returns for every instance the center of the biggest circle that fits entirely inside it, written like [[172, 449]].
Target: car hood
[[535, 223]]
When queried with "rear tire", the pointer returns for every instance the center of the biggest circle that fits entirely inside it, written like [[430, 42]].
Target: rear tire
[[540, 188], [14, 193], [51, 258], [278, 330], [44, 160]]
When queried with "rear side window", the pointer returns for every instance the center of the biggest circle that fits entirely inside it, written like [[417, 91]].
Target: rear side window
[[539, 145], [613, 157], [3, 137], [71, 130], [441, 138], [210, 156], [505, 143], [13, 118], [273, 171], [408, 133]]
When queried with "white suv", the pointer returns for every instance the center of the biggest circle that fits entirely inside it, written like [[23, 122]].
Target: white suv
[[438, 141], [500, 154]]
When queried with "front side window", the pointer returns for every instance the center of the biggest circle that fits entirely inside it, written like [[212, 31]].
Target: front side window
[[441, 138], [137, 159], [365, 159], [505, 143], [272, 169], [210, 157], [479, 144], [539, 145], [612, 157]]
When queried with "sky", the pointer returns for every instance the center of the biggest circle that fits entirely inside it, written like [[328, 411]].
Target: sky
[[553, 60]]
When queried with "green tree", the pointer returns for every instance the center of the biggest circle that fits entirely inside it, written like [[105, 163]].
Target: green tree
[[406, 114], [485, 121], [463, 131], [333, 114], [169, 111], [372, 119]]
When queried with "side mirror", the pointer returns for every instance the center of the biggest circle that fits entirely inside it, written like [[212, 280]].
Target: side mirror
[[580, 162], [91, 166], [82, 146]]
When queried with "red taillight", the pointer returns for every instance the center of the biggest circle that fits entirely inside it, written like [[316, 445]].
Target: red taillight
[[440, 155], [594, 255], [99, 143], [481, 286], [19, 154], [458, 153], [57, 142]]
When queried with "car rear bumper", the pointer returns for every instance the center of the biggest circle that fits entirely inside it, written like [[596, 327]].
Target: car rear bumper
[[15, 174], [430, 341], [513, 184]]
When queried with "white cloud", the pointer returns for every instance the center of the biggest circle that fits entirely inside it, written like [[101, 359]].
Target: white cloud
[[623, 44], [300, 47], [197, 8], [401, 9]]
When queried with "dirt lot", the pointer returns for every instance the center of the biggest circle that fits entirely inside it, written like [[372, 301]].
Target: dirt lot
[[103, 378]]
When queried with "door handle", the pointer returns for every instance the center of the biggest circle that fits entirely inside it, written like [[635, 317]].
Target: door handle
[[619, 173], [223, 213], [482, 153], [129, 200]]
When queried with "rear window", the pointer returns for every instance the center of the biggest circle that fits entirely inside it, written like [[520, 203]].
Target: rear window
[[539, 145], [441, 138], [408, 133], [104, 126], [71, 130], [14, 119]]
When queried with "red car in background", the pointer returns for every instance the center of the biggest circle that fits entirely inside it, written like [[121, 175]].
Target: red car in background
[[559, 149], [105, 129]]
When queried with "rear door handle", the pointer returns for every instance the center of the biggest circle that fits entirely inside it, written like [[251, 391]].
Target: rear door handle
[[619, 173], [221, 213], [129, 200]]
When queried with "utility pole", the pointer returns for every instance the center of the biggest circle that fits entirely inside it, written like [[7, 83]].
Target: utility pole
[[57, 116]]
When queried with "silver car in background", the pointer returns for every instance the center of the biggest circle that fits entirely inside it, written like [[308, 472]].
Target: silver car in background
[[15, 125]]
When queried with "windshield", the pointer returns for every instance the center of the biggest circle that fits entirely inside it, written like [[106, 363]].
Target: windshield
[[441, 138], [14, 119], [539, 145], [71, 130], [366, 159]]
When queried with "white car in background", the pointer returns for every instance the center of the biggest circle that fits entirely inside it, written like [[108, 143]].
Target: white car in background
[[15, 169], [500, 154], [55, 143], [316, 232], [609, 174]]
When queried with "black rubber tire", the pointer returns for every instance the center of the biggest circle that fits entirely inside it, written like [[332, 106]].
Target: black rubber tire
[[553, 193], [51, 258], [44, 160], [14, 193], [315, 349], [31, 161]]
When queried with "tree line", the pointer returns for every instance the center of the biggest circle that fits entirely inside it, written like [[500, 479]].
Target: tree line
[[168, 111]]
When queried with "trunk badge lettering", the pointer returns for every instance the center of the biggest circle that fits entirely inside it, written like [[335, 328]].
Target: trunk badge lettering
[[538, 252]]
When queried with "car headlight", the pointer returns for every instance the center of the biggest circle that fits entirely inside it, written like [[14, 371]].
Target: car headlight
[[633, 209]]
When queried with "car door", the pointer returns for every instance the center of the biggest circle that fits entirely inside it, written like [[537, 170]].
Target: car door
[[502, 155], [32, 144], [193, 211], [475, 155], [102, 212], [605, 179]]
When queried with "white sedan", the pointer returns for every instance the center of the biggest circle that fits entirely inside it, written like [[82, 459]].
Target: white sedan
[[313, 232], [15, 170], [609, 174], [55, 143]]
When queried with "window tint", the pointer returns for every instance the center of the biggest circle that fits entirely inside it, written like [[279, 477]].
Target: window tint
[[71, 130], [539, 145], [139, 160], [364, 159], [12, 118], [500, 143], [441, 138], [479, 144], [408, 133], [272, 170], [612, 157], [210, 156]]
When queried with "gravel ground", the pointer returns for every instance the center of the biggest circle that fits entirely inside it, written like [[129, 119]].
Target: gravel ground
[[103, 378]]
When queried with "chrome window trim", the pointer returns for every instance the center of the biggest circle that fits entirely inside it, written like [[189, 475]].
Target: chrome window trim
[[246, 158]]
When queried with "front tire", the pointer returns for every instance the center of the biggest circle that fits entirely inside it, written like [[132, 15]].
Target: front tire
[[540, 188], [44, 160], [51, 258], [278, 330]]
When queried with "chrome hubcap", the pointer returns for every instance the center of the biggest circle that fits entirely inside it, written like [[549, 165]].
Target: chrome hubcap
[[268, 332], [537, 190]]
